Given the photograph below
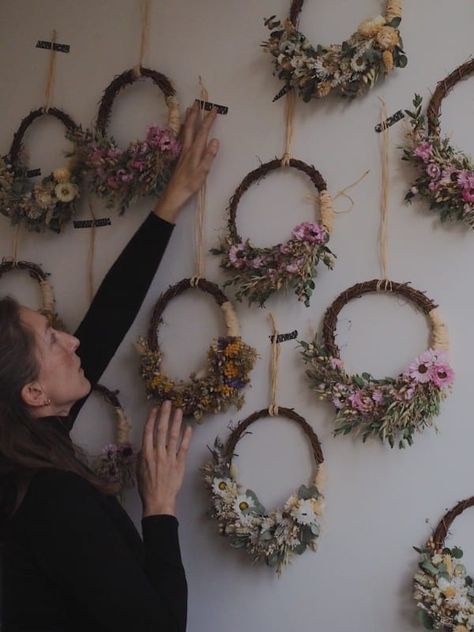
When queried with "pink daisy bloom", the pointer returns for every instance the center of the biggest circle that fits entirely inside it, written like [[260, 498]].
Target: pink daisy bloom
[[310, 232], [421, 369], [468, 195], [377, 396], [466, 179], [424, 151], [360, 401], [443, 375], [336, 363], [234, 255]]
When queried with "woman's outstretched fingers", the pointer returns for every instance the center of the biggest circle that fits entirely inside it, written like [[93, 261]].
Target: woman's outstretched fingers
[[149, 434], [161, 428], [184, 447], [175, 432]]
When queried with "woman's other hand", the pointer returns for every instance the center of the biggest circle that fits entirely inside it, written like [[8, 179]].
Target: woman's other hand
[[194, 163], [162, 460]]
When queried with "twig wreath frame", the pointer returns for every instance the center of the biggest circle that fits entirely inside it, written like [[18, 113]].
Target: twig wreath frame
[[442, 589], [117, 461], [348, 69], [260, 272], [144, 167], [50, 204], [270, 537], [229, 360], [391, 409], [36, 272], [445, 174]]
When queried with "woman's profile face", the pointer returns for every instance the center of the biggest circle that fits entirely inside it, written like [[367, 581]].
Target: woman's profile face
[[61, 376]]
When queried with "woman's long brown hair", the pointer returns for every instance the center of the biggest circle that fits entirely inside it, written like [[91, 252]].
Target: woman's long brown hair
[[27, 445]]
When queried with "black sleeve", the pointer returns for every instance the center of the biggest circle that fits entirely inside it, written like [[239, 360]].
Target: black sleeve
[[119, 298], [77, 545]]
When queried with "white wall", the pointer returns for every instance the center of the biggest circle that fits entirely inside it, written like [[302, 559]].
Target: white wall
[[378, 500]]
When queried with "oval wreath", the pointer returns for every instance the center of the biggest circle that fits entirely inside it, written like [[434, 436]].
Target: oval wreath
[[442, 589], [389, 408], [259, 272], [144, 168], [117, 461], [272, 537], [445, 174], [229, 361], [48, 302], [38, 206], [348, 69]]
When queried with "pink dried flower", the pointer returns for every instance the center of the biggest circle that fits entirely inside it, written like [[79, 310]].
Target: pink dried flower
[[377, 396], [466, 179], [235, 255], [468, 195], [420, 370], [112, 182], [310, 232], [443, 375], [424, 151], [360, 401], [336, 363], [433, 171]]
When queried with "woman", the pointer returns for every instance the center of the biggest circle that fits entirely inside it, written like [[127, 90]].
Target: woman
[[71, 557]]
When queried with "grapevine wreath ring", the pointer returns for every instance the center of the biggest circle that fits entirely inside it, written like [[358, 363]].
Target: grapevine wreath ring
[[229, 360], [144, 168], [445, 174], [260, 272], [389, 408], [348, 69], [117, 460], [36, 272], [272, 537], [49, 204], [442, 589]]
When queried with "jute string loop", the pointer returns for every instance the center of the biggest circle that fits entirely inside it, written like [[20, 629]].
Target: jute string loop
[[123, 426], [16, 242], [326, 203], [439, 331], [48, 91], [200, 209], [384, 205], [145, 31], [273, 408], [289, 116], [91, 257]]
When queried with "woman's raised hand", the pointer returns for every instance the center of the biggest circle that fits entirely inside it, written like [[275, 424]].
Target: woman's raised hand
[[162, 460], [193, 165]]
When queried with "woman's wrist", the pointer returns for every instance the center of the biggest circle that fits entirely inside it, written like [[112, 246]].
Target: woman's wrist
[[168, 509]]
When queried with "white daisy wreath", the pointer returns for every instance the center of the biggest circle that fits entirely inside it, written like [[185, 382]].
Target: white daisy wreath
[[443, 591], [272, 537], [349, 68]]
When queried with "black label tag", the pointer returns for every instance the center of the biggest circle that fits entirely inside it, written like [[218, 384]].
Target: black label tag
[[31, 173], [207, 105], [390, 121], [284, 337], [89, 223], [61, 48]]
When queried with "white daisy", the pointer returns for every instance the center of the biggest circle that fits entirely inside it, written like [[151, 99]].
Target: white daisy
[[303, 513], [243, 504], [66, 191], [223, 487]]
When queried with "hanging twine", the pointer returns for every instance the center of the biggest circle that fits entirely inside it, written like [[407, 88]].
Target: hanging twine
[[200, 211], [91, 258], [16, 242], [47, 297], [174, 115], [145, 31], [326, 203], [439, 331], [385, 191], [48, 91], [273, 408], [123, 426], [231, 321], [290, 113]]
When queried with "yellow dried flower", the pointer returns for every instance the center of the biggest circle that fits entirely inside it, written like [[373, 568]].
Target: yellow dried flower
[[62, 174], [387, 60], [323, 89], [371, 26], [387, 38], [232, 349], [230, 370]]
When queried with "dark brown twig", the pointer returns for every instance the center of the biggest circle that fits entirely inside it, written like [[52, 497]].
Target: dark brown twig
[[441, 531], [442, 89], [403, 289]]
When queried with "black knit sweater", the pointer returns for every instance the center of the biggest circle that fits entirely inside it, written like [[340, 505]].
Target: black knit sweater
[[72, 559]]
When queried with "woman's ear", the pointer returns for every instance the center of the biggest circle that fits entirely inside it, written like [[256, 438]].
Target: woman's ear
[[33, 395]]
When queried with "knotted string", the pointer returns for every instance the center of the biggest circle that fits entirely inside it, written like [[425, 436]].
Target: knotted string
[[145, 31], [48, 90], [200, 211]]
